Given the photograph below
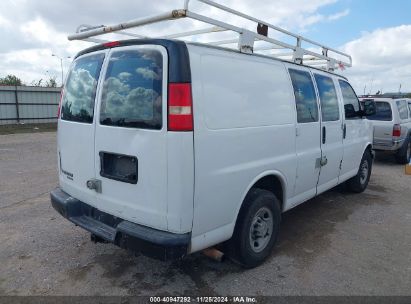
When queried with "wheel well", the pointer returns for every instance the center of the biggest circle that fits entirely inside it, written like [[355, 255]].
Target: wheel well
[[369, 149], [273, 184]]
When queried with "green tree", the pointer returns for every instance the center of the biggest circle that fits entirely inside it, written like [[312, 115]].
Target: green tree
[[52, 82], [36, 83], [408, 95], [11, 80]]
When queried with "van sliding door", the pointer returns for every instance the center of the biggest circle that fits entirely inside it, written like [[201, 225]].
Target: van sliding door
[[331, 132], [308, 146]]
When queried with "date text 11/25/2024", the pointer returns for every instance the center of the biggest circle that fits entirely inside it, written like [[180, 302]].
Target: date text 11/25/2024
[[170, 299]]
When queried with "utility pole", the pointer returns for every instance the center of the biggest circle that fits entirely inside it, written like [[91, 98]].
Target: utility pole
[[61, 65]]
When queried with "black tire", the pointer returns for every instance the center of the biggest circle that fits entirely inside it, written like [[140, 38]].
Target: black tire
[[404, 154], [243, 247], [359, 182]]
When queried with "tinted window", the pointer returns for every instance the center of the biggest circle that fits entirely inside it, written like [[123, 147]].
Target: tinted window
[[383, 112], [402, 109], [132, 91], [409, 109], [80, 89], [306, 103], [328, 97], [351, 103]]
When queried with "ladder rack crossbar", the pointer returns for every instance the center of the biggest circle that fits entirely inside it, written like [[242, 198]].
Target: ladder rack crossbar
[[245, 41], [276, 28], [214, 29]]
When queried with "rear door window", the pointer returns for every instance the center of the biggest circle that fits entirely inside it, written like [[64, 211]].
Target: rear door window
[[383, 112], [328, 97], [80, 89], [132, 92], [351, 102], [402, 109], [305, 98]]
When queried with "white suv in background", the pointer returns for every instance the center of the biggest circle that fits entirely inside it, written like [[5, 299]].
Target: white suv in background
[[168, 148], [392, 127]]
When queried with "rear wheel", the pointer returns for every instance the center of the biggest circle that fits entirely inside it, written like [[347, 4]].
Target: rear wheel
[[257, 228], [404, 154], [359, 182]]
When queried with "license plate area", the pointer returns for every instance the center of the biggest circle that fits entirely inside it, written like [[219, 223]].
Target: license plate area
[[119, 167]]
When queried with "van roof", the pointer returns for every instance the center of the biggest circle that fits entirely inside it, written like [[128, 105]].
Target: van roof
[[178, 55], [386, 99]]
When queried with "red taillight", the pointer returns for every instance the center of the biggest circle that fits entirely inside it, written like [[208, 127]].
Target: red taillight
[[396, 131], [61, 100], [111, 44], [180, 107]]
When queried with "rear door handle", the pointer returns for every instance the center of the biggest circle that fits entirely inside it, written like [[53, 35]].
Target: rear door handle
[[344, 131], [94, 184], [324, 135]]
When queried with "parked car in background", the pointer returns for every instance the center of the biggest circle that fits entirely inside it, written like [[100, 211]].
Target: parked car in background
[[392, 127]]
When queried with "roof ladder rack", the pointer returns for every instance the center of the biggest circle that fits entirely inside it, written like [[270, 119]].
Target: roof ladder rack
[[317, 55]]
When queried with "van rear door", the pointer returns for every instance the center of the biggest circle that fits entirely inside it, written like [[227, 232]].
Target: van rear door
[[76, 127], [131, 135]]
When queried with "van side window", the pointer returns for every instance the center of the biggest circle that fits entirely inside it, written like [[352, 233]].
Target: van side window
[[409, 108], [351, 102], [80, 89], [402, 109], [328, 98], [305, 99], [132, 91]]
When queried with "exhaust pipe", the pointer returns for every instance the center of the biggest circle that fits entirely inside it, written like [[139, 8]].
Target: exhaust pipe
[[214, 254]]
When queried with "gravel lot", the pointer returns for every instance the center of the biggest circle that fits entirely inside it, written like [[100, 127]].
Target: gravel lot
[[336, 244]]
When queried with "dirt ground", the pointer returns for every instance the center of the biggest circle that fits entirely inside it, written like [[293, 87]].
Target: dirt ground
[[336, 244]]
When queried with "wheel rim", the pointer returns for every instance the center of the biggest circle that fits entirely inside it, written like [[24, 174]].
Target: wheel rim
[[364, 172], [261, 229]]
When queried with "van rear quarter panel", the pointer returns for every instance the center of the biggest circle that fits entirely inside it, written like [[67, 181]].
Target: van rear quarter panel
[[244, 128]]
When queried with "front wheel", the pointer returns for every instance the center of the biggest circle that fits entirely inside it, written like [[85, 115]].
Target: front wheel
[[257, 228], [359, 182]]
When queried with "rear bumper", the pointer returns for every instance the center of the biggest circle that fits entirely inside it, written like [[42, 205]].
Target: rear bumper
[[148, 241], [388, 145]]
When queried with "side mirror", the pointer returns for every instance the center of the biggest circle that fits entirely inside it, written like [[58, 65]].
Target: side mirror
[[350, 111], [370, 108]]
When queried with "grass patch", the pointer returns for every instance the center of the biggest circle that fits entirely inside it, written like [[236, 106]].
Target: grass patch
[[28, 128]]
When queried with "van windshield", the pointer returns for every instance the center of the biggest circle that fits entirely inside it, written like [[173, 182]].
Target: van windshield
[[383, 112], [80, 89], [132, 91]]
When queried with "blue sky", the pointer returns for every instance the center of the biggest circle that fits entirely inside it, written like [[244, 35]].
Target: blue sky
[[364, 16]]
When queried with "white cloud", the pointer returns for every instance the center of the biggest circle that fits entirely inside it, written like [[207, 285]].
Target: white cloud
[[5, 23], [381, 59], [338, 15], [148, 74], [124, 76], [39, 28]]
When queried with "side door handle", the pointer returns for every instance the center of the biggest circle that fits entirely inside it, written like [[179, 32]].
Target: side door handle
[[344, 131], [324, 135]]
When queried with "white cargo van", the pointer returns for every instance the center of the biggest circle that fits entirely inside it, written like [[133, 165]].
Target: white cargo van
[[167, 147]]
